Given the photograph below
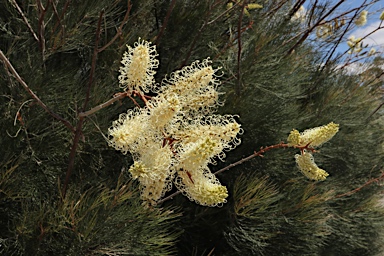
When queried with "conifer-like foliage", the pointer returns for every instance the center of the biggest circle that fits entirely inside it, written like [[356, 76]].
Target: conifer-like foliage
[[112, 109]]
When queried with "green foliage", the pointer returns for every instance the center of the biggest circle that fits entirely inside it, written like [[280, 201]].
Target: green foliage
[[269, 221], [97, 221]]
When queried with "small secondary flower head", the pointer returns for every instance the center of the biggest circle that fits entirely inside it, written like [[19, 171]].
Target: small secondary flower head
[[371, 52], [355, 44], [153, 169], [299, 14], [324, 31], [202, 187], [127, 133], [138, 70], [362, 20], [254, 6], [314, 137], [308, 167]]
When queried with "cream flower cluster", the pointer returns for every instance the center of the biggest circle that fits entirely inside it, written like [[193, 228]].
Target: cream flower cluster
[[329, 28], [355, 44], [362, 20], [309, 168], [311, 138], [324, 31], [300, 14], [142, 57], [175, 136]]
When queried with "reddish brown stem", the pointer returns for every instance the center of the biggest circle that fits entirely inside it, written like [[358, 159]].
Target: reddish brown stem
[[120, 29], [134, 101], [79, 127], [259, 153], [25, 20], [41, 25], [255, 154], [62, 15], [369, 182], [72, 155], [26, 87], [309, 30], [238, 87], [165, 22], [117, 97]]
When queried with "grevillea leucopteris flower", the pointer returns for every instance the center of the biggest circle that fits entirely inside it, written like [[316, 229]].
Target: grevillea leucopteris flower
[[308, 167], [310, 139], [176, 135], [139, 66]]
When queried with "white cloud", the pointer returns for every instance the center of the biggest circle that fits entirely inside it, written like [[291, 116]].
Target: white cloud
[[356, 68]]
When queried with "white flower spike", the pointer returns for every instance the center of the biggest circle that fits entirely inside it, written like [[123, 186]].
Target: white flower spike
[[138, 68]]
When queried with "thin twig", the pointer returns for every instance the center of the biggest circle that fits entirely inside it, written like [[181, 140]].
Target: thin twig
[[25, 20], [232, 42], [72, 155], [41, 25], [26, 87], [165, 22], [197, 37], [377, 109], [276, 8], [364, 37], [223, 13], [134, 101], [295, 8], [259, 153], [239, 48], [76, 139], [369, 182], [309, 30], [94, 58], [120, 29], [105, 104], [62, 15], [255, 154], [57, 17], [339, 40], [325, 21]]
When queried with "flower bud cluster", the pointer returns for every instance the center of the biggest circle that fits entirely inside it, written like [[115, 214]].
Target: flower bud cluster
[[310, 139], [175, 136]]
